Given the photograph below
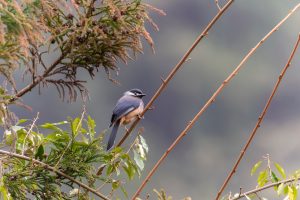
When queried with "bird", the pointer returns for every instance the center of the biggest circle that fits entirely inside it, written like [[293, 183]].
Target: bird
[[127, 109]]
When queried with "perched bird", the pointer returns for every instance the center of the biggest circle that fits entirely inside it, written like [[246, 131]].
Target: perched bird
[[128, 107]]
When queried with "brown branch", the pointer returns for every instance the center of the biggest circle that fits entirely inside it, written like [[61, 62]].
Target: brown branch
[[208, 103], [259, 119], [48, 167], [38, 79], [265, 187], [176, 68]]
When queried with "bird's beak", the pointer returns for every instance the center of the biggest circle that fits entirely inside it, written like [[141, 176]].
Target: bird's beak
[[142, 95]]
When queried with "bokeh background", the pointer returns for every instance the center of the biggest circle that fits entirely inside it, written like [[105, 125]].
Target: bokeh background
[[200, 162]]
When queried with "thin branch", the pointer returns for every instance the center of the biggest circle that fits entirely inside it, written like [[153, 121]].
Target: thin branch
[[209, 102], [218, 5], [48, 167], [260, 117], [37, 80], [29, 131], [254, 191], [176, 68]]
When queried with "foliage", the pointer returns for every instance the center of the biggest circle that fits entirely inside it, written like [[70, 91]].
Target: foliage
[[84, 35], [272, 173], [73, 148]]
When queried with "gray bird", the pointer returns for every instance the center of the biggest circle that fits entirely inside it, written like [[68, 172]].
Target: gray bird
[[128, 107]]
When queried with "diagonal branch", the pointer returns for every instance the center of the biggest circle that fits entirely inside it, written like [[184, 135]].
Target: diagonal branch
[[209, 102], [265, 187], [38, 79], [176, 68], [48, 167], [260, 119]]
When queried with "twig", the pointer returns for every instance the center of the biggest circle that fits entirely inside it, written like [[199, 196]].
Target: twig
[[265, 187], [48, 167], [209, 102], [263, 112], [38, 79], [218, 5], [176, 68], [29, 131]]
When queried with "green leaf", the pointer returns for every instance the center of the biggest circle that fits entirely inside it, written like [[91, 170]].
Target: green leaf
[[58, 136], [40, 152], [144, 144], [274, 178], [280, 170], [4, 193], [51, 126], [21, 121], [91, 125], [292, 192], [129, 170], [255, 167], [280, 189], [124, 191], [262, 178], [75, 126], [115, 184], [138, 160]]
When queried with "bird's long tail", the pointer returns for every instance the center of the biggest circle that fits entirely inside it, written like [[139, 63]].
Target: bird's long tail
[[113, 135]]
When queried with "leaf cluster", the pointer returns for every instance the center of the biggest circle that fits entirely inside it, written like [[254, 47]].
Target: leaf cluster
[[86, 34], [70, 147], [273, 172]]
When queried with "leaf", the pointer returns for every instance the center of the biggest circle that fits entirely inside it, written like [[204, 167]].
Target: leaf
[[274, 178], [40, 152], [124, 191], [262, 178], [144, 144], [115, 184], [21, 121], [129, 170], [255, 167], [75, 126], [292, 192], [280, 189], [91, 124], [51, 126], [280, 170], [140, 150], [138, 160], [4, 193]]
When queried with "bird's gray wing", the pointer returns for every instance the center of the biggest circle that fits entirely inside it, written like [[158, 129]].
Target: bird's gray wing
[[123, 107]]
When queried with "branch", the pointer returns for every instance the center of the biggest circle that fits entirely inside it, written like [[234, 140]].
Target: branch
[[48, 167], [209, 102], [37, 80], [176, 68], [265, 187], [260, 117], [217, 4]]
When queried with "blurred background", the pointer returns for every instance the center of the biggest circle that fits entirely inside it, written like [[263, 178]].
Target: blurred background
[[201, 161]]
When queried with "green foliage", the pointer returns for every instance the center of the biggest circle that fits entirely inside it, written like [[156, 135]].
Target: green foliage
[[86, 34], [161, 195], [269, 175], [71, 147]]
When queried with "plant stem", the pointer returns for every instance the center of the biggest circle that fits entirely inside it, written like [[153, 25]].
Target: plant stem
[[163, 85], [265, 108], [38, 79], [48, 167], [265, 187], [208, 103], [176, 68]]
